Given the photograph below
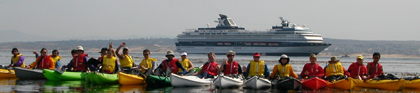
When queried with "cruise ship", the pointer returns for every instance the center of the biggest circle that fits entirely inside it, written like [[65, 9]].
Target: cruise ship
[[289, 38]]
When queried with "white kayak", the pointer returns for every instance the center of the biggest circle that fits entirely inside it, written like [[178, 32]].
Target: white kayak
[[178, 81], [226, 81], [257, 83]]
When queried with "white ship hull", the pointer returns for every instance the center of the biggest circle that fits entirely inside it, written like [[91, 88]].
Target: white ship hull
[[292, 50]]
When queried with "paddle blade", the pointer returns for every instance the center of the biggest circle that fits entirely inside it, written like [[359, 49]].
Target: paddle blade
[[59, 71]]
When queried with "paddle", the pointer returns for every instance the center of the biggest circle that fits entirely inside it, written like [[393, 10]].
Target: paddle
[[59, 71], [6, 67], [193, 71]]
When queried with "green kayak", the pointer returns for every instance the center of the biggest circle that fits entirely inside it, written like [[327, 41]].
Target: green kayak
[[102, 78], [65, 76], [160, 81]]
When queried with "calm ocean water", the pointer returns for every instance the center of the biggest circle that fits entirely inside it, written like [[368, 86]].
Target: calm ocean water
[[398, 66]]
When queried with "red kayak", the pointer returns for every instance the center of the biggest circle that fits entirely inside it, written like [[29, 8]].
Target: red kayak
[[314, 83]]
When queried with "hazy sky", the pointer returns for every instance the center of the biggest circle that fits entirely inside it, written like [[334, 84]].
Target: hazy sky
[[341, 19]]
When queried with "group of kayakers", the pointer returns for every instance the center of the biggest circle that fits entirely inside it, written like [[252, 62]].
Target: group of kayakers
[[109, 63]]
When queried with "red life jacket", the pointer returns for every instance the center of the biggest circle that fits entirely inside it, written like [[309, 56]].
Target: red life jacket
[[316, 70], [211, 68], [375, 72], [78, 63], [172, 65], [45, 63], [231, 68], [357, 70]]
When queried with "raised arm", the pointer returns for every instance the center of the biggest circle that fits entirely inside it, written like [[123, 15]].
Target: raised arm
[[118, 51]]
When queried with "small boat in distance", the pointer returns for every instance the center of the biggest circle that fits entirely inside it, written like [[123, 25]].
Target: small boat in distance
[[290, 39]]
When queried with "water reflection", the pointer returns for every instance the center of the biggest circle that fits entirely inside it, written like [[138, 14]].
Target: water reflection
[[63, 86], [132, 88], [15, 85], [29, 85]]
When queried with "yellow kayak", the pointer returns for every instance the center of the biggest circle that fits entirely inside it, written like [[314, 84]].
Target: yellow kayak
[[345, 84], [129, 79], [415, 84], [381, 84], [4, 73]]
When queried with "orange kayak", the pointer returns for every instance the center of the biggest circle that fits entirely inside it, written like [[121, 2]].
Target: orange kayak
[[345, 84], [4, 73], [129, 79], [314, 83]]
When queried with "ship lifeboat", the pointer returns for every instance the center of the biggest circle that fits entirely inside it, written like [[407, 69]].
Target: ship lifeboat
[[219, 43], [256, 43], [248, 44]]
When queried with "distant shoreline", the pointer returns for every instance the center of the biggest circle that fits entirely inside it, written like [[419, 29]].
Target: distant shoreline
[[165, 49]]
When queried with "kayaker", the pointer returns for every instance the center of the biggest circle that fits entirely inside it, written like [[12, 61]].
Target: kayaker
[[42, 62], [335, 71], [231, 67], [210, 68], [185, 62], [171, 63], [126, 60], [375, 68], [80, 61], [147, 63], [283, 69], [18, 60], [103, 53], [109, 62], [56, 59], [358, 69], [257, 67], [312, 69], [69, 65]]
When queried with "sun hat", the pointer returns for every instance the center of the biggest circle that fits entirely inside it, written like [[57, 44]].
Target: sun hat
[[231, 52], [125, 48], [183, 53], [256, 55], [360, 57], [284, 56], [170, 53], [79, 48], [334, 59], [106, 49]]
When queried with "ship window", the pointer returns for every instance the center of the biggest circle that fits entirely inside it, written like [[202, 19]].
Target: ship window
[[188, 33], [201, 33], [207, 33], [224, 33], [213, 33], [219, 33]]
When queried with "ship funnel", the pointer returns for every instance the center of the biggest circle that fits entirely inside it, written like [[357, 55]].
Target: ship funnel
[[224, 21]]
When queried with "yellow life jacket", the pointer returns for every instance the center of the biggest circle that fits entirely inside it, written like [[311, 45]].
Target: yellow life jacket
[[127, 61], [184, 64], [147, 63], [108, 64], [256, 68], [55, 59], [283, 70], [16, 59], [334, 69]]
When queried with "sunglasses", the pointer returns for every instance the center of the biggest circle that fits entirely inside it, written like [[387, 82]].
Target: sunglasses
[[230, 55], [145, 54], [256, 57]]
